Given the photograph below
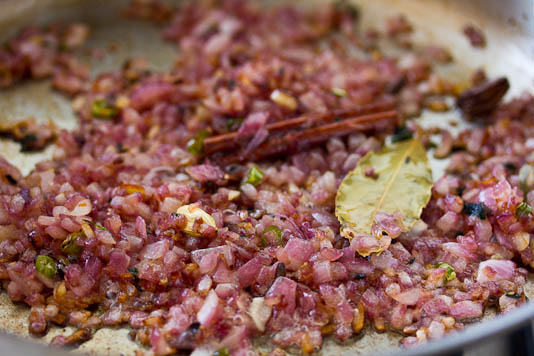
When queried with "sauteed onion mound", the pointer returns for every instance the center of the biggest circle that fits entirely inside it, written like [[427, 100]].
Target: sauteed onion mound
[[134, 223]]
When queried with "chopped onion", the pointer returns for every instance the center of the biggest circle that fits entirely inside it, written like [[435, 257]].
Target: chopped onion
[[260, 313]]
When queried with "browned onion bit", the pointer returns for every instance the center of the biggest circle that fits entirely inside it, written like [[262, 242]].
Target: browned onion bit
[[32, 136], [76, 338], [475, 36]]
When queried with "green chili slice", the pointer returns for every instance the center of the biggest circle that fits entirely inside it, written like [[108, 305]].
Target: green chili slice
[[196, 144], [103, 109], [233, 123], [340, 92], [450, 274], [98, 226], [254, 176], [271, 228], [222, 352], [46, 266], [523, 210], [70, 247]]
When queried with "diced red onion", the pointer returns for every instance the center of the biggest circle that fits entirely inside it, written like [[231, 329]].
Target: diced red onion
[[495, 270], [208, 313]]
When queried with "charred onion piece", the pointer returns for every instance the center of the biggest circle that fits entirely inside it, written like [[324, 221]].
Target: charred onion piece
[[481, 100], [73, 340]]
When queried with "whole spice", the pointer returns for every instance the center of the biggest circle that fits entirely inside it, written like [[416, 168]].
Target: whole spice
[[403, 185], [480, 101]]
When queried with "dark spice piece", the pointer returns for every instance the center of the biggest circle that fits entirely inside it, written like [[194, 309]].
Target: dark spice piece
[[512, 294], [346, 7], [412, 260], [395, 86], [32, 136], [187, 339], [28, 143], [481, 100], [121, 148], [133, 271], [475, 209], [510, 166], [402, 133], [10, 179], [280, 270]]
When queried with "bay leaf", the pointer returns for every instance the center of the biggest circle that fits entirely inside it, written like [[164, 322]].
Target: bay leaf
[[397, 179]]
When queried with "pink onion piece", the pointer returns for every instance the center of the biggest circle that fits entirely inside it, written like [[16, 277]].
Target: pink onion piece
[[249, 271], [448, 222], [83, 208], [159, 344], [155, 250], [208, 263], [295, 253], [495, 270], [147, 180], [226, 251], [207, 315], [205, 172], [408, 297], [284, 290], [466, 309], [322, 272]]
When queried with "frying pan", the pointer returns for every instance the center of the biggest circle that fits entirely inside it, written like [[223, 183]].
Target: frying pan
[[509, 28]]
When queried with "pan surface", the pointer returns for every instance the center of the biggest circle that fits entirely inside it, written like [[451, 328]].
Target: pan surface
[[509, 27]]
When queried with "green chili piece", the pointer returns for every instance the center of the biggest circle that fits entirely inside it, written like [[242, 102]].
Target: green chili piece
[[98, 226], [254, 176], [103, 109], [46, 266], [222, 352], [274, 229], [196, 144], [523, 210], [70, 247], [233, 123], [450, 274], [340, 92]]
